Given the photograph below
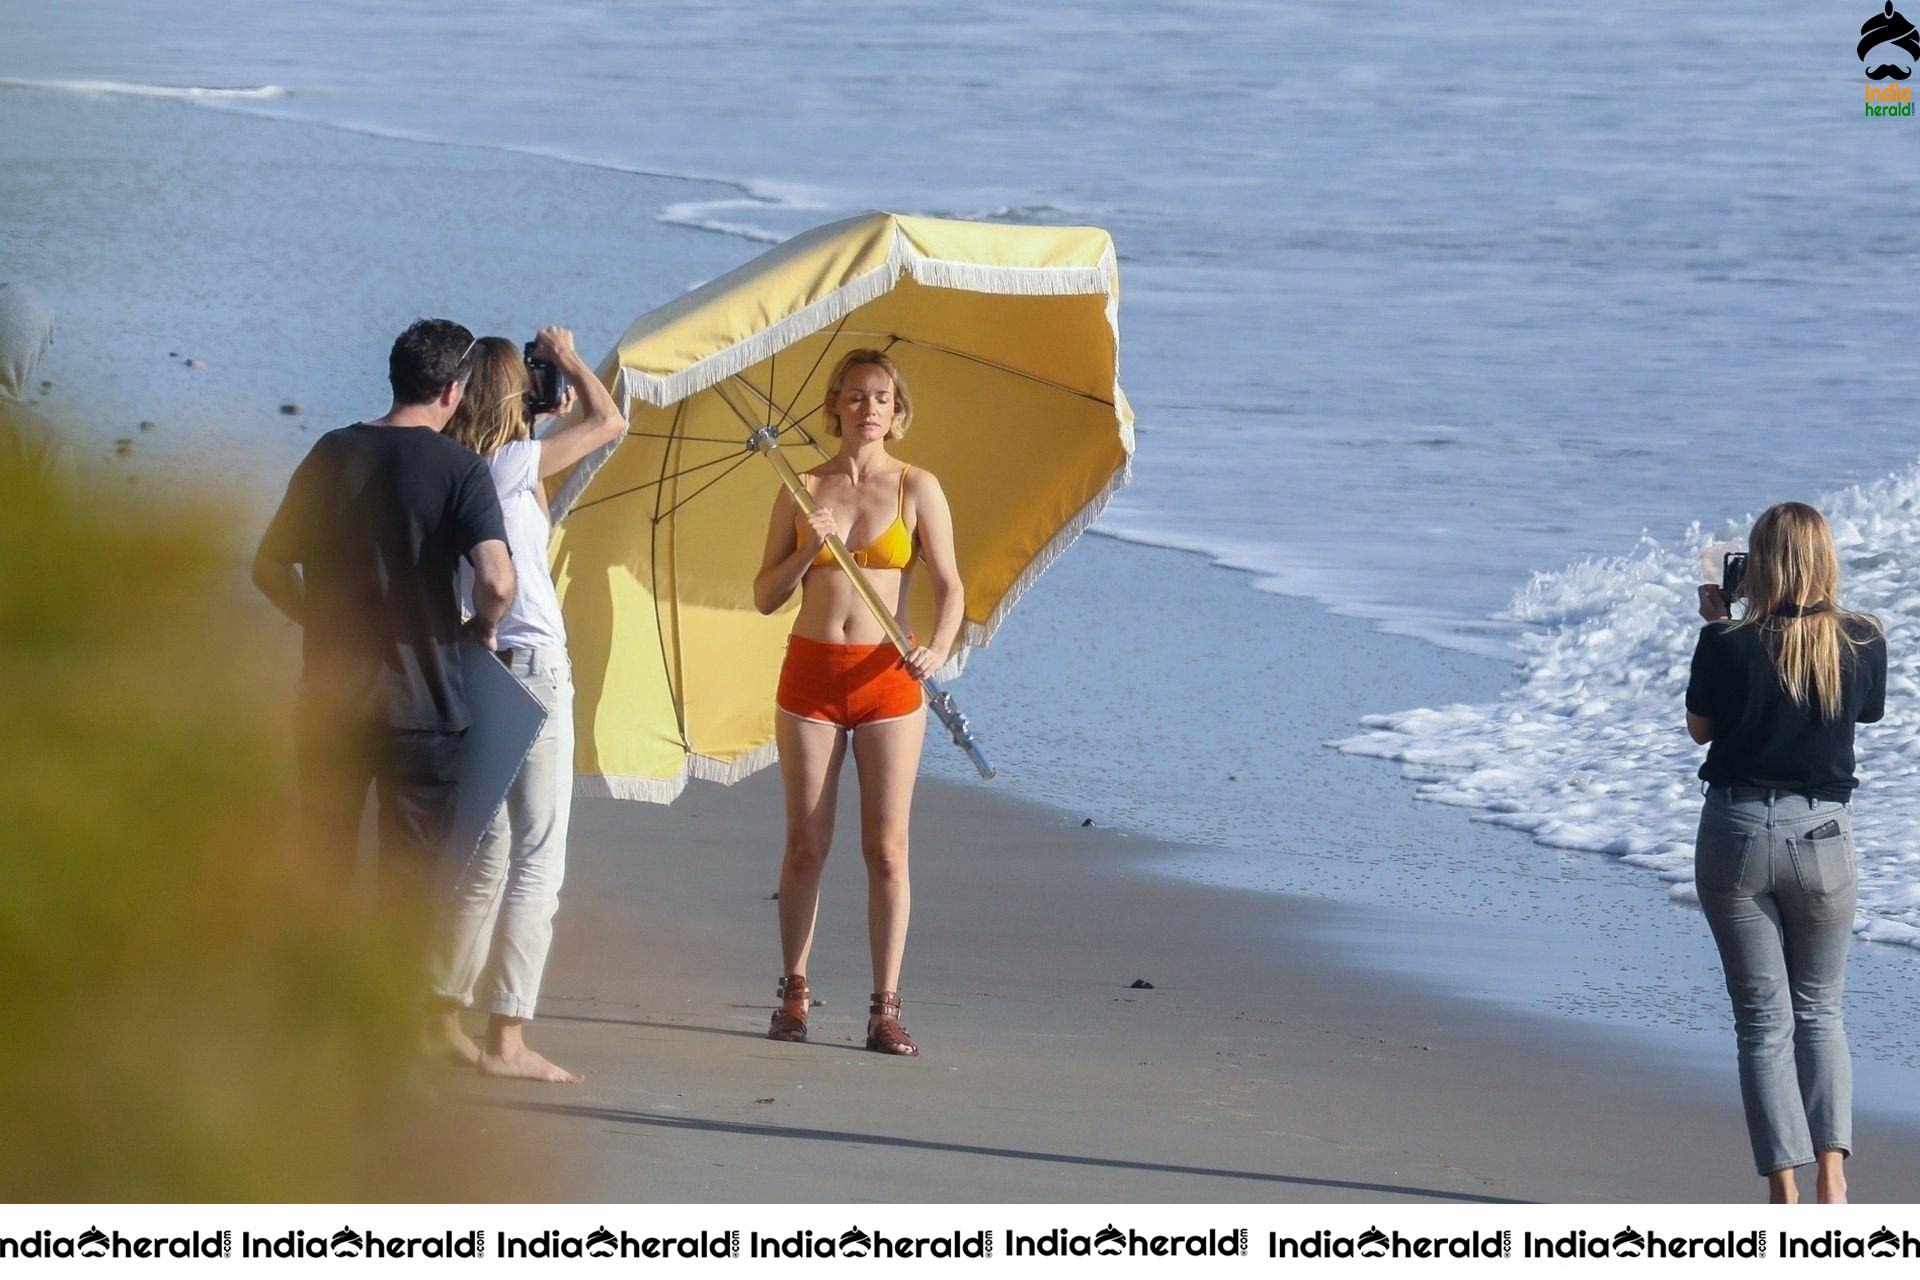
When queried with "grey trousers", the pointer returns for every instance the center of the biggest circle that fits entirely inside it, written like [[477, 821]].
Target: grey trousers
[[1775, 873]]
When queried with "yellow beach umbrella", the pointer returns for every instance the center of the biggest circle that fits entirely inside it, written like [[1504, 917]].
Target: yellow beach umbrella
[[1008, 337]]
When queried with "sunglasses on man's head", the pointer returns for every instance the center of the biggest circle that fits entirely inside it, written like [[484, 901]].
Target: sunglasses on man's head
[[465, 369]]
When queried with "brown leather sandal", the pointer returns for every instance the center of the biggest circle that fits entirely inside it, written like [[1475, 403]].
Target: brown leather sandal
[[791, 1027], [888, 1036]]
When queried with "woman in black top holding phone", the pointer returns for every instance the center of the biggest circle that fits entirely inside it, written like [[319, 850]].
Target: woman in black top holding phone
[[1777, 694]]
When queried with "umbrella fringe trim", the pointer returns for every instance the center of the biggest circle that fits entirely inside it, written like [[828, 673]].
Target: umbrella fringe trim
[[583, 471], [770, 341], [941, 273], [666, 790], [978, 633]]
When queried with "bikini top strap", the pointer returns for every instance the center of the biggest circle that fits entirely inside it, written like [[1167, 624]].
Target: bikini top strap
[[901, 514]]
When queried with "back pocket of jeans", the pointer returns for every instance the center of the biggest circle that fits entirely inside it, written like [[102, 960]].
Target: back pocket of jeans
[[1825, 865], [1720, 858]]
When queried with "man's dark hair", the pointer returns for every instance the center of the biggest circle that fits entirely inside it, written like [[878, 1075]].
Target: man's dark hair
[[429, 355]]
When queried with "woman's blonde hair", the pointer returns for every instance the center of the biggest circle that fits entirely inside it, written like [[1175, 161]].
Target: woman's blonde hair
[[902, 400], [1792, 580], [493, 410]]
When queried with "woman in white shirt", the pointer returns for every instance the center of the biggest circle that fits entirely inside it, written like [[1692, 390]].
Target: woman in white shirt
[[500, 922]]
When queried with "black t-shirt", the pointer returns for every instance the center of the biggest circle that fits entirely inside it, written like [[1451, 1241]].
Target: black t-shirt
[[378, 519], [1761, 737]]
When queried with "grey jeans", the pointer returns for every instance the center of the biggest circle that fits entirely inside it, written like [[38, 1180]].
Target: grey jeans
[[499, 921], [1775, 872]]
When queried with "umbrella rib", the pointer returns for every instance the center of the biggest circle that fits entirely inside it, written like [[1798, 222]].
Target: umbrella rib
[[659, 621], [786, 418], [746, 419], [655, 435], [654, 484], [737, 464], [991, 364], [791, 423], [787, 413]]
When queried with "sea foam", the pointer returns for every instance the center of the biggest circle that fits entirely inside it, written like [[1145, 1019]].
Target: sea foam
[[189, 93], [1588, 751]]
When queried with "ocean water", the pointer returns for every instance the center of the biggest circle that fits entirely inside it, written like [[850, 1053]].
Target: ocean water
[[1463, 321], [1407, 317], [1585, 752]]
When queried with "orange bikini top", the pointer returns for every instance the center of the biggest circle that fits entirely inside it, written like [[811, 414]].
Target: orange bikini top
[[893, 549]]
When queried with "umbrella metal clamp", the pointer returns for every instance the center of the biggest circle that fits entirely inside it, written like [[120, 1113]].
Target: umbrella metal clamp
[[766, 443]]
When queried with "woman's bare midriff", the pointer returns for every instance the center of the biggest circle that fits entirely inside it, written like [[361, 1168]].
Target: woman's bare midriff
[[832, 611]]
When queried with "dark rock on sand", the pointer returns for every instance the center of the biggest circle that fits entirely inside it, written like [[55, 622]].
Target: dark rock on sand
[[290, 410], [146, 425], [1139, 984]]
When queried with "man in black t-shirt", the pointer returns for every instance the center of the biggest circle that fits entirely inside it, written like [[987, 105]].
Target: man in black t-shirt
[[364, 553]]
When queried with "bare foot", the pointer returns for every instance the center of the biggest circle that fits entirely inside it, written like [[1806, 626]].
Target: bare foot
[[518, 1062], [445, 1039]]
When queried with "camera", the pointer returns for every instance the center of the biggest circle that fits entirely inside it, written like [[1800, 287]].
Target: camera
[[549, 384], [1733, 576]]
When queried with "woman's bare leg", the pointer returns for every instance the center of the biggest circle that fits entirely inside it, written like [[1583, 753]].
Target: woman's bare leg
[[887, 756], [811, 753], [1781, 1188]]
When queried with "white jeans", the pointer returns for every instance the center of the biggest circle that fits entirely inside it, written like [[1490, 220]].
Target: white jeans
[[499, 921]]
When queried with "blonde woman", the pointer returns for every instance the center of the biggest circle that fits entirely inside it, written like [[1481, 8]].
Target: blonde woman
[[500, 922], [844, 683], [1777, 694]]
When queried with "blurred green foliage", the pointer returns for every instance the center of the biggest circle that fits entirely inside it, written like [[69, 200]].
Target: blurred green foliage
[[192, 1011]]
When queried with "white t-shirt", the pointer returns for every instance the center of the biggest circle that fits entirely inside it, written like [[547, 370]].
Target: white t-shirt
[[533, 619]]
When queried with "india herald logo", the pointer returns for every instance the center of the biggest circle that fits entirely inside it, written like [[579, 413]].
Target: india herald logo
[[1885, 33]]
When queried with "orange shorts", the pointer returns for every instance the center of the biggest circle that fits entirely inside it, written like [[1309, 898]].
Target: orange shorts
[[845, 684]]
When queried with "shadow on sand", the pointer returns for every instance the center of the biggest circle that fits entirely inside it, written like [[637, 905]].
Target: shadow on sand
[[614, 1115]]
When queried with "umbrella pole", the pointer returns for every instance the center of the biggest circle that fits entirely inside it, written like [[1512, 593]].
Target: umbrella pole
[[765, 443]]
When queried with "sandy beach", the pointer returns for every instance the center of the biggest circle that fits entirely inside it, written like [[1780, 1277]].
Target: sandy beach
[[1275, 1059], [1355, 996]]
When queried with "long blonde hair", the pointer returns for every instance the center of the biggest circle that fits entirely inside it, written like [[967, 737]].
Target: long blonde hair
[[902, 400], [1792, 580], [493, 409]]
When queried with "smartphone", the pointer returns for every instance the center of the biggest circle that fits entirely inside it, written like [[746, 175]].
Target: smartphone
[[1733, 575]]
